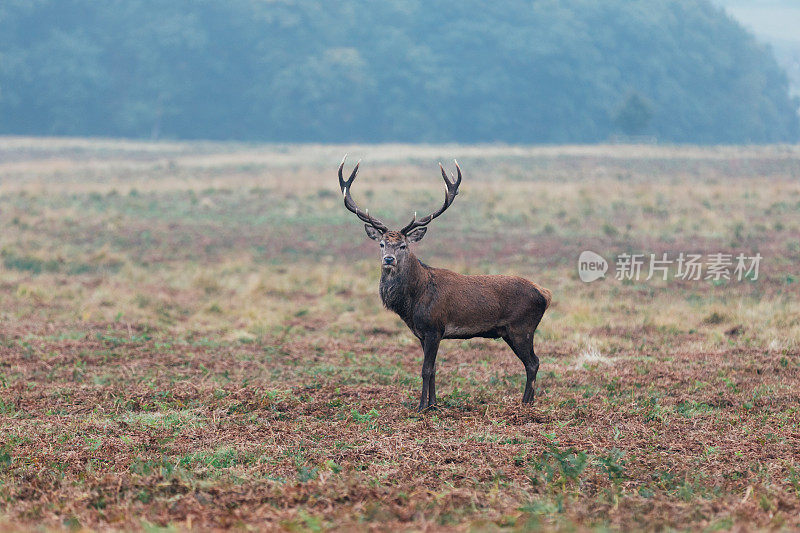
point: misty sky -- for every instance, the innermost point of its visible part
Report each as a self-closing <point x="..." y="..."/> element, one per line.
<point x="776" y="22"/>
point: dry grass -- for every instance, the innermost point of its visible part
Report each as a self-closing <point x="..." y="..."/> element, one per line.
<point x="191" y="336"/>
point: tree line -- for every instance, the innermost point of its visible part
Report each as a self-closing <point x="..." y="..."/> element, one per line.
<point x="516" y="71"/>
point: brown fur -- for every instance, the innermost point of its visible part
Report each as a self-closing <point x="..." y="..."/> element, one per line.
<point x="439" y="304"/>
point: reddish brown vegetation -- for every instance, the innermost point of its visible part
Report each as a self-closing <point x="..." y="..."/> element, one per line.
<point x="184" y="342"/>
<point x="732" y="458"/>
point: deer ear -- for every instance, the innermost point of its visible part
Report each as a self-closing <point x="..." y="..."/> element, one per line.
<point x="417" y="234"/>
<point x="372" y="233"/>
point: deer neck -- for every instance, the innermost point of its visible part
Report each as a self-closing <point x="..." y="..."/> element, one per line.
<point x="401" y="289"/>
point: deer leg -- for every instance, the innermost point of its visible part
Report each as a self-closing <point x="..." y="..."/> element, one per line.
<point x="432" y="389"/>
<point x="522" y="344"/>
<point x="430" y="345"/>
<point x="423" y="400"/>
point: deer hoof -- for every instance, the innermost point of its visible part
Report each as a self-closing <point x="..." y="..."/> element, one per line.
<point x="429" y="407"/>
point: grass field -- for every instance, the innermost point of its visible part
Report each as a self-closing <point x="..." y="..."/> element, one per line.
<point x="191" y="336"/>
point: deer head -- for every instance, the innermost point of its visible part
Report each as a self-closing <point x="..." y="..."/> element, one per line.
<point x="394" y="244"/>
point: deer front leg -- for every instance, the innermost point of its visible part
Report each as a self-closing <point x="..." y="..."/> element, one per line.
<point x="430" y="345"/>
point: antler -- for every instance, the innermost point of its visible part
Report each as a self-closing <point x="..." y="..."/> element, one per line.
<point x="351" y="205"/>
<point x="450" y="192"/>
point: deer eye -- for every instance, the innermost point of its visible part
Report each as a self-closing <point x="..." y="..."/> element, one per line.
<point x="403" y="246"/>
<point x="381" y="245"/>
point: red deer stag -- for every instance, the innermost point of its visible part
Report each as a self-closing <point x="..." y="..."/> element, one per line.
<point x="439" y="304"/>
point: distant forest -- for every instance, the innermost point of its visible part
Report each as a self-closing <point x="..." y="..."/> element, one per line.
<point x="515" y="71"/>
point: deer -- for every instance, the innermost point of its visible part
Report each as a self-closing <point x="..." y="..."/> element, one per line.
<point x="438" y="304"/>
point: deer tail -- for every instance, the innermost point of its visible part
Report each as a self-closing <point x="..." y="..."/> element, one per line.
<point x="546" y="294"/>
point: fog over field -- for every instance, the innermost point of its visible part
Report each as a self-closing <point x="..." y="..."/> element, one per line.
<point x="197" y="328"/>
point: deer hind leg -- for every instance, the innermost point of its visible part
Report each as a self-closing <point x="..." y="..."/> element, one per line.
<point x="522" y="344"/>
